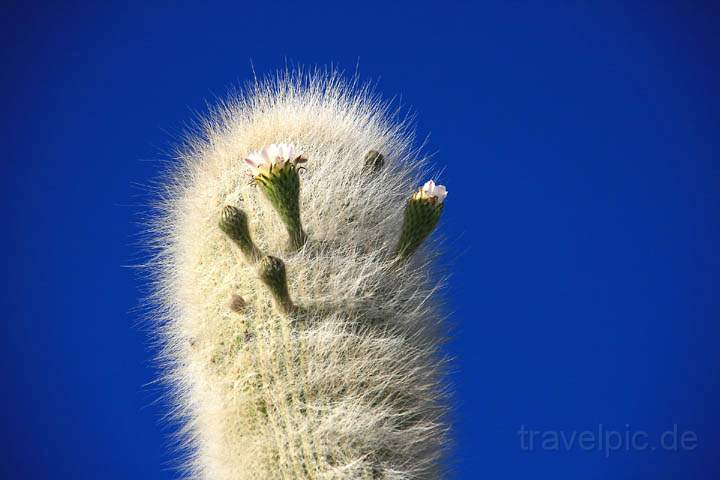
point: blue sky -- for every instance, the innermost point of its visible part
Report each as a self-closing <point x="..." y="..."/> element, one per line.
<point x="581" y="145"/>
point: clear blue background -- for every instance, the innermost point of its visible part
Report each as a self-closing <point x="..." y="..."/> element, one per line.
<point x="582" y="148"/>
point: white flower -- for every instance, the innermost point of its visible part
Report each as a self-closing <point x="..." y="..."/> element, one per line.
<point x="432" y="191"/>
<point x="273" y="155"/>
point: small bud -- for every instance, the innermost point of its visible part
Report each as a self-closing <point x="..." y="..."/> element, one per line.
<point x="237" y="303"/>
<point x="233" y="222"/>
<point x="271" y="271"/>
<point x="422" y="213"/>
<point x="374" y="161"/>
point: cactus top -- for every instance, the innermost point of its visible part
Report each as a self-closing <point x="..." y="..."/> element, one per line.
<point x="320" y="361"/>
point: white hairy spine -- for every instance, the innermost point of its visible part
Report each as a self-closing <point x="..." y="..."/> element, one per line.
<point x="355" y="389"/>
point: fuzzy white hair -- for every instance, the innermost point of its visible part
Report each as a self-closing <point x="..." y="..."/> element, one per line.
<point x="355" y="392"/>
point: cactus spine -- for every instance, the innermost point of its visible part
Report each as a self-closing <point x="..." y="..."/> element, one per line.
<point x="298" y="345"/>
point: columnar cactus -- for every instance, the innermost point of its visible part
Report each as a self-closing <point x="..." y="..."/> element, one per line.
<point x="301" y="325"/>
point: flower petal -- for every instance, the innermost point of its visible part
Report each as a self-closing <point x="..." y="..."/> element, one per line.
<point x="267" y="154"/>
<point x="429" y="187"/>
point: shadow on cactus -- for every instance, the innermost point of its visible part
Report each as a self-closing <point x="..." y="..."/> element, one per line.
<point x="301" y="325"/>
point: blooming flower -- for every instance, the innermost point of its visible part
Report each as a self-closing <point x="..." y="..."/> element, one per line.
<point x="273" y="155"/>
<point x="275" y="174"/>
<point x="432" y="192"/>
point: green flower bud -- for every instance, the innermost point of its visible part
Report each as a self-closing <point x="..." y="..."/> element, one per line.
<point x="271" y="271"/>
<point x="234" y="223"/>
<point x="422" y="214"/>
<point x="274" y="169"/>
<point x="281" y="185"/>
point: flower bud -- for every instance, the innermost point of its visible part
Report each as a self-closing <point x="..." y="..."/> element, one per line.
<point x="271" y="271"/>
<point x="233" y="222"/>
<point x="374" y="161"/>
<point x="422" y="214"/>
<point x="237" y="303"/>
<point x="276" y="173"/>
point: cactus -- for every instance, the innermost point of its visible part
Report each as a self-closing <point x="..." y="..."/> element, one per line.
<point x="300" y="320"/>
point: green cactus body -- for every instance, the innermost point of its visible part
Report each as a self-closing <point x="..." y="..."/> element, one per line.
<point x="321" y="362"/>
